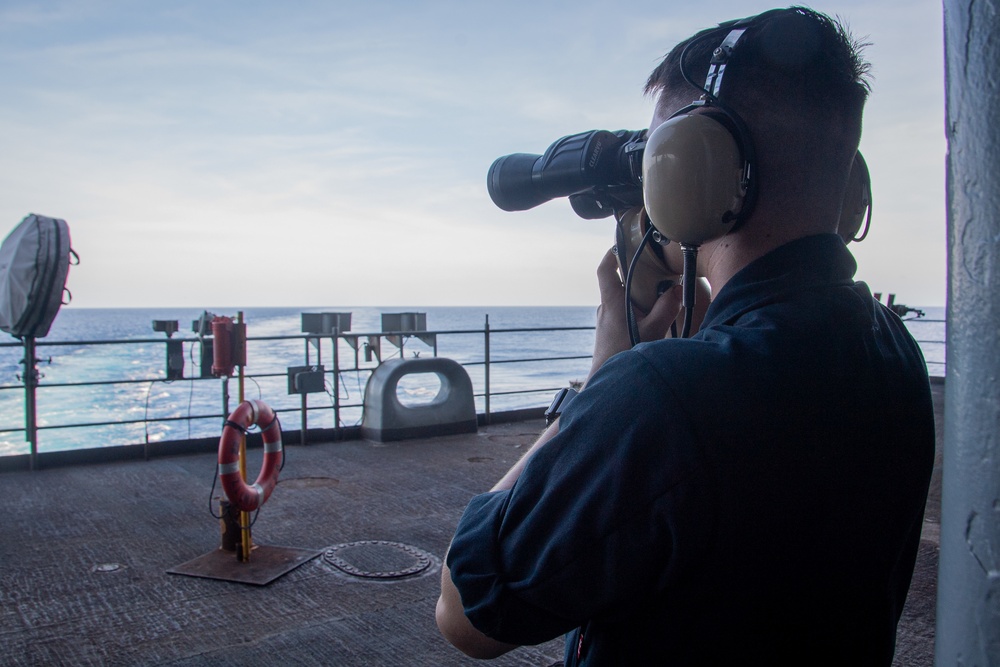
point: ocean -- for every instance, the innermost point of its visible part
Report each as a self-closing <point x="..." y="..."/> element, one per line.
<point x="125" y="390"/>
<point x="75" y="351"/>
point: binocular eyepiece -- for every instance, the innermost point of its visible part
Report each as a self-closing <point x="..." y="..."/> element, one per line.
<point x="598" y="171"/>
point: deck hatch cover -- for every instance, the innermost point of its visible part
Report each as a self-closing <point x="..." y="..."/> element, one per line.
<point x="378" y="559"/>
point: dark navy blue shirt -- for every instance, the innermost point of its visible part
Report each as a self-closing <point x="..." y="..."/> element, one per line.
<point x="751" y="495"/>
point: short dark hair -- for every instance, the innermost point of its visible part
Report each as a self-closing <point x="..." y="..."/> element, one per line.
<point x="793" y="52"/>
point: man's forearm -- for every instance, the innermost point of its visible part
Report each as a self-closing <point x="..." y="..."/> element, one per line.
<point x="450" y="614"/>
<point x="456" y="627"/>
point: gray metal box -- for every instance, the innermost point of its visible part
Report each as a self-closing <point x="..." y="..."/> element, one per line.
<point x="325" y="323"/>
<point x="404" y="322"/>
<point x="306" y="380"/>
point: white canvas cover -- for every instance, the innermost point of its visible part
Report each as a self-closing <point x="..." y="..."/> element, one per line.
<point x="34" y="263"/>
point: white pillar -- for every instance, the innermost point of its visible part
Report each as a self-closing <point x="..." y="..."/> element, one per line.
<point x="968" y="605"/>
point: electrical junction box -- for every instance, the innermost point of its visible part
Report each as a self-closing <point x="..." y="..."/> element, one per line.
<point x="306" y="380"/>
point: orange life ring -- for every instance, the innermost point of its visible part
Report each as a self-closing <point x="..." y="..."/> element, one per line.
<point x="246" y="497"/>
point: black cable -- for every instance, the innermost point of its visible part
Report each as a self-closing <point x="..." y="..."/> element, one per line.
<point x="218" y="517"/>
<point x="690" y="279"/>
<point x="211" y="493"/>
<point x="868" y="223"/>
<point x="251" y="378"/>
<point x="284" y="458"/>
<point x="684" y="72"/>
<point x="859" y="161"/>
<point x="271" y="424"/>
<point x="239" y="427"/>
<point x="633" y="323"/>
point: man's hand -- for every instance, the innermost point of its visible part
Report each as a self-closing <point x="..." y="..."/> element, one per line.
<point x="612" y="325"/>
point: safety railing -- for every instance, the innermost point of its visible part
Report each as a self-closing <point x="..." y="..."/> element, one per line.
<point x="930" y="334"/>
<point x="106" y="393"/>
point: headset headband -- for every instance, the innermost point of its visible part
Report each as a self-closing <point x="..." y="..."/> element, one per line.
<point x="723" y="52"/>
<point x="720" y="58"/>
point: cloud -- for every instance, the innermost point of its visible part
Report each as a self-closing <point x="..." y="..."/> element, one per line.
<point x="337" y="152"/>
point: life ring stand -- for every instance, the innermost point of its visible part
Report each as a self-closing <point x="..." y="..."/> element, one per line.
<point x="243" y="496"/>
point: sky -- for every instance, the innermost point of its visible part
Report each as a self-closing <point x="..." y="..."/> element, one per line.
<point x="334" y="153"/>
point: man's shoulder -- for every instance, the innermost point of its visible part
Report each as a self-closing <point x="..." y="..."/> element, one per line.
<point x="663" y="364"/>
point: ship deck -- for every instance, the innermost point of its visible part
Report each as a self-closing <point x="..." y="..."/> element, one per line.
<point x="86" y="554"/>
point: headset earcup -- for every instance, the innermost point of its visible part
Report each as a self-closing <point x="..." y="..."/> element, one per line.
<point x="857" y="201"/>
<point x="692" y="178"/>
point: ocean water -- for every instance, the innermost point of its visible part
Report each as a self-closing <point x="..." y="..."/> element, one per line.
<point x="930" y="332"/>
<point x="75" y="352"/>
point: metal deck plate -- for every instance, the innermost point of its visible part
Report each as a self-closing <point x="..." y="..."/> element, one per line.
<point x="266" y="564"/>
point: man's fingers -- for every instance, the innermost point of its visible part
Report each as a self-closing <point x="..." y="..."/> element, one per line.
<point x="608" y="280"/>
<point x="656" y="323"/>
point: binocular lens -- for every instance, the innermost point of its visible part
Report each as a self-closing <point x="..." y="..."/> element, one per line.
<point x="509" y="182"/>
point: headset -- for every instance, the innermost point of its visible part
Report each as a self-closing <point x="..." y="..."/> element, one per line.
<point x="857" y="208"/>
<point x="699" y="172"/>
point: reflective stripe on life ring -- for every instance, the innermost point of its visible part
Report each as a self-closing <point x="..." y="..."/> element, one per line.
<point x="243" y="496"/>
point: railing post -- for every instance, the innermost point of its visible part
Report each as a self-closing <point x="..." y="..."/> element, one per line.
<point x="225" y="396"/>
<point x="336" y="384"/>
<point x="304" y="409"/>
<point x="486" y="356"/>
<point x="30" y="386"/>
